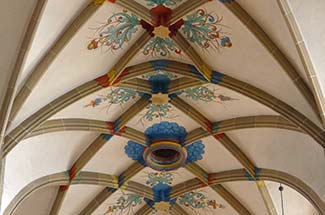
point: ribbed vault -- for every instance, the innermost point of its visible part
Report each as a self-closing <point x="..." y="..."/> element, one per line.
<point x="112" y="69"/>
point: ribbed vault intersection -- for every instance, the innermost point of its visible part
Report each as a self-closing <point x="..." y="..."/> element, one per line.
<point x="166" y="61"/>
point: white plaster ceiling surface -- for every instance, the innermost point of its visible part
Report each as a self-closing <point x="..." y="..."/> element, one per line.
<point x="39" y="203"/>
<point x="276" y="28"/>
<point x="294" y="202"/>
<point x="111" y="159"/>
<point x="286" y="151"/>
<point x="44" y="155"/>
<point x="218" y="159"/>
<point x="309" y="19"/>
<point x="50" y="27"/>
<point x="248" y="194"/>
<point x="56" y="161"/>
<point x="14" y="16"/>
<point x="78" y="196"/>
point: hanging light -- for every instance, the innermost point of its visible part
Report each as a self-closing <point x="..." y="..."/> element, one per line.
<point x="281" y="188"/>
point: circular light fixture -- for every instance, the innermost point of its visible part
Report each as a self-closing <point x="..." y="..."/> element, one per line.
<point x="165" y="148"/>
<point x="165" y="155"/>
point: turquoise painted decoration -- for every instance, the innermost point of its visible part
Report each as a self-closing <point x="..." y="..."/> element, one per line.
<point x="153" y="3"/>
<point x="120" y="96"/>
<point x="113" y="97"/>
<point x="155" y="178"/>
<point x="118" y="29"/>
<point x="169" y="75"/>
<point x="160" y="47"/>
<point x="205" y="30"/>
<point x="157" y="112"/>
<point x="125" y="203"/>
<point x="226" y="1"/>
<point x="200" y="93"/>
<point x="197" y="200"/>
<point x="205" y="94"/>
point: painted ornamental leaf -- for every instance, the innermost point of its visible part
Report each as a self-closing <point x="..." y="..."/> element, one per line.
<point x="124" y="203"/>
<point x="155" y="178"/>
<point x="118" y="29"/>
<point x="113" y="97"/>
<point x="205" y="94"/>
<point x="197" y="200"/>
<point x="205" y="30"/>
<point x="160" y="47"/>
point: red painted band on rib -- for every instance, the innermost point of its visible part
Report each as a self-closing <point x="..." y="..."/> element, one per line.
<point x="110" y="127"/>
<point x="103" y="81"/>
<point x="174" y="28"/>
<point x="209" y="127"/>
<point x="121" y="131"/>
<point x="64" y="188"/>
<point x="146" y="26"/>
<point x="73" y="173"/>
<point x="202" y="183"/>
<point x="218" y="136"/>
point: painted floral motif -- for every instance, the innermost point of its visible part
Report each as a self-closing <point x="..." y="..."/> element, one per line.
<point x="197" y="200"/>
<point x="120" y="96"/>
<point x="114" y="96"/>
<point x="153" y="3"/>
<point x="157" y="112"/>
<point x="206" y="30"/>
<point x="124" y="203"/>
<point x="118" y="29"/>
<point x="160" y="47"/>
<point x="205" y="94"/>
<point x="155" y="178"/>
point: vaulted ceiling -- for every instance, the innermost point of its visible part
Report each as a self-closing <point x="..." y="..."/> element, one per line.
<point x="79" y="85"/>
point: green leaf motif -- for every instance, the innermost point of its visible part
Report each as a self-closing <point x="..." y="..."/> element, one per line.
<point x="205" y="94"/>
<point x="160" y="47"/>
<point x="197" y="200"/>
<point x="169" y="75"/>
<point x="120" y="96"/>
<point x="205" y="30"/>
<point x="157" y="111"/>
<point x="113" y="97"/>
<point x="125" y="202"/>
<point x="118" y="30"/>
<point x="155" y="178"/>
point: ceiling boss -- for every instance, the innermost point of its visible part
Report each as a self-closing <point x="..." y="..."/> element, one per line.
<point x="165" y="148"/>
